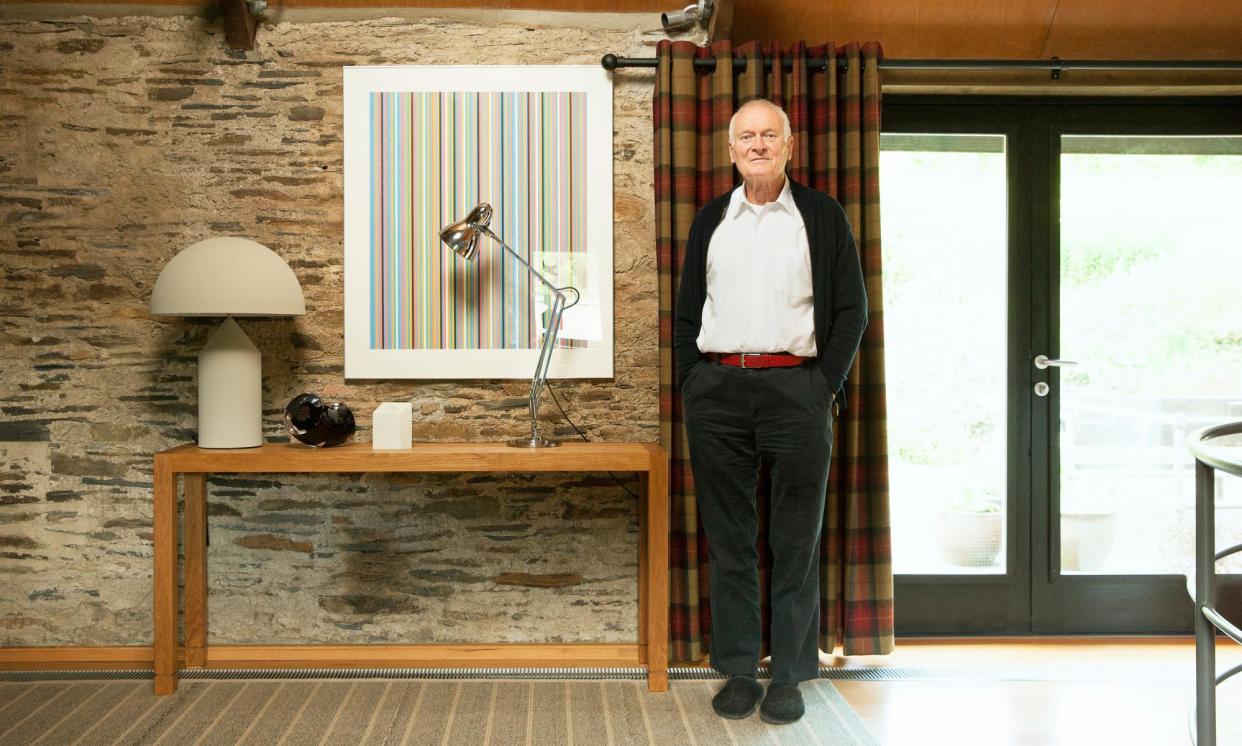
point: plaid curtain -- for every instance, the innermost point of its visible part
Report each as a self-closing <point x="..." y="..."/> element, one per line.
<point x="835" y="116"/>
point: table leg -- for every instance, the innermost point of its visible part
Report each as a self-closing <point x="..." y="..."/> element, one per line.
<point x="1205" y="597"/>
<point x="643" y="591"/>
<point x="657" y="573"/>
<point x="165" y="571"/>
<point x="194" y="522"/>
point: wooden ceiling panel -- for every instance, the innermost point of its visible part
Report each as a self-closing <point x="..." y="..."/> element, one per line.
<point x="1001" y="29"/>
<point x="1006" y="29"/>
<point x="1146" y="29"/>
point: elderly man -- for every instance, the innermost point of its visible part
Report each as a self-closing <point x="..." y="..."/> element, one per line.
<point x="769" y="316"/>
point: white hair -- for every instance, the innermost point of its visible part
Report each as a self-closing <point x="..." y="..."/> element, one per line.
<point x="761" y="102"/>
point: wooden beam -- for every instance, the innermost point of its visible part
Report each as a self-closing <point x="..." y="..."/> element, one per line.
<point x="70" y="657"/>
<point x="431" y="655"/>
<point x="240" y="25"/>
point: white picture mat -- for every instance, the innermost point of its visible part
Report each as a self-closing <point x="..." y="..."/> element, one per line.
<point x="363" y="362"/>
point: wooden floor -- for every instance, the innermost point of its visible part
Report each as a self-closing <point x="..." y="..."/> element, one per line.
<point x="1046" y="692"/>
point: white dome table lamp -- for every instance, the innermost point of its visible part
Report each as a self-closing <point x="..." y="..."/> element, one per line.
<point x="228" y="277"/>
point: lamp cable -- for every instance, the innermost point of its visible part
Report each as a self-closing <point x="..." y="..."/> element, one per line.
<point x="582" y="435"/>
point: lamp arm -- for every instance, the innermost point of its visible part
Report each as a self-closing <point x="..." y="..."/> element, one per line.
<point x="577" y="296"/>
<point x="545" y="359"/>
<point x="487" y="232"/>
<point x="549" y="338"/>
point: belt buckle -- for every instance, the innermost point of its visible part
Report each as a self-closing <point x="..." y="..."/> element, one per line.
<point x="742" y="358"/>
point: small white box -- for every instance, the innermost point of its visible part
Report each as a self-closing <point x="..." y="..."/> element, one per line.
<point x="392" y="426"/>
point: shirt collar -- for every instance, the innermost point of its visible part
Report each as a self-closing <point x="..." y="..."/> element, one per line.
<point x="738" y="202"/>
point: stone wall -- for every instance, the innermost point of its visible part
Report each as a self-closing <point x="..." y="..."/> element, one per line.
<point x="124" y="140"/>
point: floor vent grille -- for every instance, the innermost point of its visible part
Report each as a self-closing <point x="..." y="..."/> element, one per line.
<point x="573" y="674"/>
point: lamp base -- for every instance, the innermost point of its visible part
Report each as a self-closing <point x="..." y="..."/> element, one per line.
<point x="535" y="442"/>
<point x="230" y="390"/>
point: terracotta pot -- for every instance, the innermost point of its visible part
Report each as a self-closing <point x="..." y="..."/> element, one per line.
<point x="1086" y="539"/>
<point x="970" y="539"/>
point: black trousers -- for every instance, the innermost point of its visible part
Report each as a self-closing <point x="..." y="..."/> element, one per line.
<point x="734" y="418"/>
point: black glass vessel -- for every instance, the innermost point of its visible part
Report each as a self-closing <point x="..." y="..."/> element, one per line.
<point x="317" y="423"/>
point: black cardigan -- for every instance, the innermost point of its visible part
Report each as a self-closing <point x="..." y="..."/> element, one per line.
<point x="836" y="282"/>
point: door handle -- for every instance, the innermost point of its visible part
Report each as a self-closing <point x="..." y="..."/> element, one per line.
<point x="1043" y="361"/>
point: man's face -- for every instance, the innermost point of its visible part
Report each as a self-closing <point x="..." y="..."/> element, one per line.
<point x="759" y="148"/>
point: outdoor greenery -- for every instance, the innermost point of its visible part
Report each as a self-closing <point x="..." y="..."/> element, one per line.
<point x="1151" y="250"/>
<point x="944" y="310"/>
<point x="1150" y="258"/>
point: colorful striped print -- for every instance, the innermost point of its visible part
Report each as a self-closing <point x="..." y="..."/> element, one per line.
<point x="434" y="156"/>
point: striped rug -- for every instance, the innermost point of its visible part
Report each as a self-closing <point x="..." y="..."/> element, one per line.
<point x="332" y="711"/>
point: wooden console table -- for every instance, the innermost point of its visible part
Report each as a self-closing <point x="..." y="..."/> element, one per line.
<point x="194" y="464"/>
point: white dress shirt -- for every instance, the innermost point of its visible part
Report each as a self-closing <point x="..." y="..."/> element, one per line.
<point x="759" y="280"/>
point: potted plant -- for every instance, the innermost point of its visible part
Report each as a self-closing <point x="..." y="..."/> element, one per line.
<point x="1088" y="526"/>
<point x="970" y="528"/>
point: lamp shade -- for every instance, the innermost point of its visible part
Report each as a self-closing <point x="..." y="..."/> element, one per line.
<point x="463" y="236"/>
<point x="227" y="276"/>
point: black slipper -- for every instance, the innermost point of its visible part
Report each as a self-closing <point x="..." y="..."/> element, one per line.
<point x="738" y="698"/>
<point x="782" y="704"/>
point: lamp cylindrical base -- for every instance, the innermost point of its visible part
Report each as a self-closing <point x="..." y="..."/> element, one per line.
<point x="230" y="390"/>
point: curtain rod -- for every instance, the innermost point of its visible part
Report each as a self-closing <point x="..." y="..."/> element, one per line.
<point x="1056" y="64"/>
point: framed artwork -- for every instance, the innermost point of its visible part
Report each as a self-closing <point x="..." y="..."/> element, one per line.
<point x="423" y="146"/>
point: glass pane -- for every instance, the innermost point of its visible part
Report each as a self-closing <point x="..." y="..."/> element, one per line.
<point x="1151" y="257"/>
<point x="944" y="229"/>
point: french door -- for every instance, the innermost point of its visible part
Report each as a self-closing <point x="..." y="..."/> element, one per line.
<point x="1063" y="306"/>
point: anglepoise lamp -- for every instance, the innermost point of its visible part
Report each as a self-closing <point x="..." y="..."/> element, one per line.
<point x="228" y="277"/>
<point x="463" y="238"/>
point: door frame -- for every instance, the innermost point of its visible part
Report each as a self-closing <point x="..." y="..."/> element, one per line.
<point x="1033" y="597"/>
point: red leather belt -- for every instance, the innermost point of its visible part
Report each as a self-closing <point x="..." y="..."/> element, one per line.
<point x="757" y="359"/>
